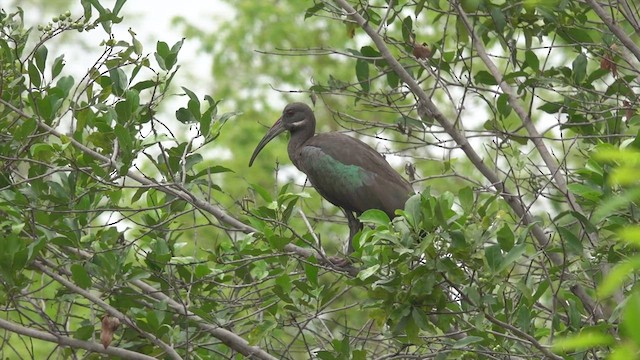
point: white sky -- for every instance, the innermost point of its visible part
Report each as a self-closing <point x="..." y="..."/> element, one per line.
<point x="151" y="21"/>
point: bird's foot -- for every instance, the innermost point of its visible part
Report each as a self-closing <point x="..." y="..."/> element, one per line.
<point x="339" y="261"/>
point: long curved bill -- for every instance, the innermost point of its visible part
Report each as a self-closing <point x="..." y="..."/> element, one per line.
<point x="275" y="130"/>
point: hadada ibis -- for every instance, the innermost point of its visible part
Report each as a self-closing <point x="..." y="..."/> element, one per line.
<point x="344" y="170"/>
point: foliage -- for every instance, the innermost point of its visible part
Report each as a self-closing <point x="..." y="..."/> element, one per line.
<point x="520" y="118"/>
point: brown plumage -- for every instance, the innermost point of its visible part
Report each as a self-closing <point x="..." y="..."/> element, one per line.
<point x="344" y="170"/>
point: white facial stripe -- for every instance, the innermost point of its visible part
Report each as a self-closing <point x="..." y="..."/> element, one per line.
<point x="298" y="123"/>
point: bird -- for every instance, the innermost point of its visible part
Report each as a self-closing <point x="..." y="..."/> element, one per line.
<point x="344" y="170"/>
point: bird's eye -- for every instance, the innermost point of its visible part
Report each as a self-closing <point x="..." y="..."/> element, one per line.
<point x="288" y="112"/>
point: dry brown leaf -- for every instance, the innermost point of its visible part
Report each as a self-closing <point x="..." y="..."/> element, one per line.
<point x="629" y="111"/>
<point x="607" y="63"/>
<point x="109" y="326"/>
<point x="421" y="51"/>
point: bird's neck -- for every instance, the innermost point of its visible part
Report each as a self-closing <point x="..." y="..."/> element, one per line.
<point x="298" y="138"/>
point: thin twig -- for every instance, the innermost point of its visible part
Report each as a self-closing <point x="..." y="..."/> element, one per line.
<point x="73" y="343"/>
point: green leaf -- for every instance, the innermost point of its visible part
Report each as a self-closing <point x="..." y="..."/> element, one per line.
<point x="205" y="123"/>
<point x="420" y="319"/>
<point x="194" y="109"/>
<point x="58" y="65"/>
<point x="498" y="18"/>
<point x="462" y="32"/>
<point x="620" y="87"/>
<point x="192" y="160"/>
<point x="176" y="47"/>
<point x="118" y="80"/>
<point x="466" y="341"/>
<point x="368" y="272"/>
<point x="531" y="61"/>
<point x="359" y="355"/>
<point x="48" y="106"/>
<point x="369" y="51"/>
<point x="65" y="84"/>
<point x="631" y="318"/>
<point x="28" y="126"/>
<point x="375" y="216"/>
<point x="576" y="35"/>
<point x="550" y="108"/>
<point x="284" y="282"/>
<point x="617" y="276"/>
<point x="419" y="7"/>
<point x="493" y="256"/>
<point x="142" y="85"/>
<point x="124" y="137"/>
<point x="313" y="10"/>
<point x="393" y="79"/>
<point x="185" y="116"/>
<point x="362" y="73"/>
<point x="166" y="57"/>
<point x="118" y="6"/>
<point x="484" y="77"/>
<point x="571" y="241"/>
<point x="465" y="195"/>
<point x="504" y="108"/>
<point x="80" y="276"/>
<point x="579" y="68"/>
<point x="407" y="30"/>
<point x="84" y="332"/>
<point x="413" y="209"/>
<point x="42" y="151"/>
<point x="278" y="242"/>
<point x="41" y="57"/>
<point x="505" y="238"/>
<point x="162" y="49"/>
<point x="583" y="341"/>
<point x="215" y="169"/>
<point x="191" y="95"/>
<point x="584" y="221"/>
<point x="585" y="191"/>
<point x="312" y="272"/>
<point x="264" y="194"/>
<point x="34" y="75"/>
<point x="512" y="256"/>
<point x="631" y="235"/>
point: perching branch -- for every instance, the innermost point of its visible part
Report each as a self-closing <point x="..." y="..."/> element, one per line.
<point x="232" y="340"/>
<point x="217" y="212"/>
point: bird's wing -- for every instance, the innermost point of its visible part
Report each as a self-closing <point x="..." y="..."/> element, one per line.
<point x="352" y="175"/>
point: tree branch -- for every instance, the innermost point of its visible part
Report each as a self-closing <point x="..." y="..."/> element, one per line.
<point x="615" y="29"/>
<point x="535" y="137"/>
<point x="108" y="308"/>
<point x="432" y="111"/>
<point x="227" y="337"/>
<point x="544" y="349"/>
<point x="73" y="343"/>
<point x="217" y="212"/>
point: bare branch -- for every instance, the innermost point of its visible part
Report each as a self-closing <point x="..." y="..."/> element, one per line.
<point x="108" y="308"/>
<point x="431" y="110"/>
<point x="615" y="29"/>
<point x="73" y="343"/>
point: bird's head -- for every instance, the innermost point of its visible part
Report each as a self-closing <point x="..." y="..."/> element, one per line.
<point x="295" y="117"/>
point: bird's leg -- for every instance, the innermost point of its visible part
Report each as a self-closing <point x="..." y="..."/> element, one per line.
<point x="354" y="226"/>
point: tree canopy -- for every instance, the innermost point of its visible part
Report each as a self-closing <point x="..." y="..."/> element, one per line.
<point x="135" y="229"/>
